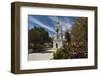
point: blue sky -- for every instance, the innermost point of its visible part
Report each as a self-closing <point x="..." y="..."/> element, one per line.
<point x="49" y="22"/>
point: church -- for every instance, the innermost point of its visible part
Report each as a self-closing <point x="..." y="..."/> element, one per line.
<point x="59" y="36"/>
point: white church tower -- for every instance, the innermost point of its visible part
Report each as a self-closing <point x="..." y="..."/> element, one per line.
<point x="58" y="37"/>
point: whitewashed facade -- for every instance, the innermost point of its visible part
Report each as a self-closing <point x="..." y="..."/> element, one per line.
<point x="58" y="37"/>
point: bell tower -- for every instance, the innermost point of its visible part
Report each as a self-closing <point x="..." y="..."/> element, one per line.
<point x="58" y="37"/>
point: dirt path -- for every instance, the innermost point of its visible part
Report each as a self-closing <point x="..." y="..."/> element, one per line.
<point x="47" y="55"/>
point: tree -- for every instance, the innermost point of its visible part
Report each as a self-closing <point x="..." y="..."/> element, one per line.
<point x="79" y="36"/>
<point x="38" y="36"/>
<point x="79" y="30"/>
<point x="67" y="37"/>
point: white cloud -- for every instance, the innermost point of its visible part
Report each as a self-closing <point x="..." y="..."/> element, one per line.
<point x="53" y="18"/>
<point x="41" y="24"/>
<point x="66" y="25"/>
<point x="30" y="26"/>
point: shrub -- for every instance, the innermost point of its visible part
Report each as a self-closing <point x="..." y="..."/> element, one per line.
<point x="58" y="54"/>
<point x="69" y="51"/>
<point x="62" y="53"/>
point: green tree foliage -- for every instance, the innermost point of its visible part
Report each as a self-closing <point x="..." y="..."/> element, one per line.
<point x="79" y="30"/>
<point x="62" y="53"/>
<point x="79" y="36"/>
<point x="38" y="36"/>
<point x="59" y="54"/>
<point x="67" y="37"/>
